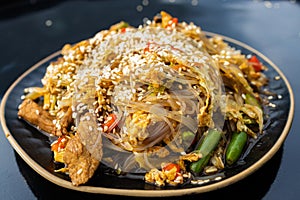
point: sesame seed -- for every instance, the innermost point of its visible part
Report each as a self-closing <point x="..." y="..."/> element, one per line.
<point x="185" y="175"/>
<point x="105" y="128"/>
<point x="218" y="178"/>
<point x="206" y="180"/>
<point x="272" y="105"/>
<point x="140" y="98"/>
<point x="109" y="118"/>
<point x="74" y="115"/>
<point x="79" y="171"/>
<point x="100" y="129"/>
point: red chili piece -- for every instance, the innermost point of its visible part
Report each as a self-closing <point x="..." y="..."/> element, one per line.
<point x="110" y="122"/>
<point x="60" y="144"/>
<point x="170" y="166"/>
<point x="255" y="63"/>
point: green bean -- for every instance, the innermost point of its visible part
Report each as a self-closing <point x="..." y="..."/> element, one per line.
<point x="198" y="166"/>
<point x="210" y="142"/>
<point x="251" y="100"/>
<point x="235" y="147"/>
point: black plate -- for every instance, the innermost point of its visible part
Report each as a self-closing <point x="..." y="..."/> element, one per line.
<point x="34" y="147"/>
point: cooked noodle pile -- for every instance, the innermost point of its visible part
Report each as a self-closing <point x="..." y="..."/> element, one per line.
<point x="142" y="100"/>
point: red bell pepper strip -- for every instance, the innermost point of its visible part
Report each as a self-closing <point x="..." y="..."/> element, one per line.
<point x="110" y="123"/>
<point x="174" y="21"/>
<point x="170" y="166"/>
<point x="59" y="144"/>
<point x="255" y="63"/>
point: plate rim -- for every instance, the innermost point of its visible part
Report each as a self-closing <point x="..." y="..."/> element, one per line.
<point x="152" y="193"/>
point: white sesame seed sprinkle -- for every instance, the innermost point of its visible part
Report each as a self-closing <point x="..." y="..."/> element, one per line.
<point x="218" y="178"/>
<point x="272" y="105"/>
<point x="79" y="171"/>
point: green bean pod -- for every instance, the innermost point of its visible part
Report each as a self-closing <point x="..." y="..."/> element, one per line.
<point x="251" y="100"/>
<point x="210" y="142"/>
<point x="198" y="166"/>
<point x="235" y="147"/>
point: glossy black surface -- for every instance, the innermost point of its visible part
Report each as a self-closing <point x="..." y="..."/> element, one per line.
<point x="42" y="28"/>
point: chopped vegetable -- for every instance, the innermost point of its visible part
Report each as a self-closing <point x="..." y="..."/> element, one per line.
<point x="110" y="123"/>
<point x="257" y="65"/>
<point x="197" y="167"/>
<point x="210" y="142"/>
<point x="59" y="144"/>
<point x="34" y="92"/>
<point x="188" y="136"/>
<point x="251" y="100"/>
<point x="120" y="26"/>
<point x="170" y="166"/>
<point x="58" y="148"/>
<point x="235" y="147"/>
<point x="172" y="21"/>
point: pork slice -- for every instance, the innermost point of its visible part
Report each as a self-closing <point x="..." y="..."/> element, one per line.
<point x="65" y="122"/>
<point x="36" y="115"/>
<point x="79" y="161"/>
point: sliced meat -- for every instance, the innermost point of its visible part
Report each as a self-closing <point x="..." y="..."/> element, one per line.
<point x="34" y="114"/>
<point x="87" y="130"/>
<point x="65" y="122"/>
<point x="79" y="161"/>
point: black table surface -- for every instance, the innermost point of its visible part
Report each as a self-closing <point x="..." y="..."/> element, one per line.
<point x="31" y="30"/>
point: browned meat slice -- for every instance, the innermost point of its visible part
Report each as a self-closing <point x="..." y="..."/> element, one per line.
<point x="79" y="161"/>
<point x="89" y="135"/>
<point x="34" y="114"/>
<point x="64" y="122"/>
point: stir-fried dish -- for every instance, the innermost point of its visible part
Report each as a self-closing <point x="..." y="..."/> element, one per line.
<point x="161" y="100"/>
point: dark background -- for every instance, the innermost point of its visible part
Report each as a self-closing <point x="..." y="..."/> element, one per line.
<point x="32" y="30"/>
